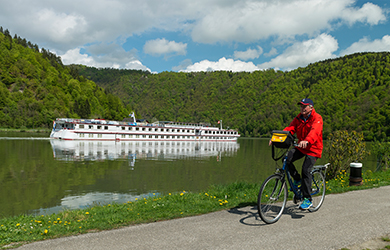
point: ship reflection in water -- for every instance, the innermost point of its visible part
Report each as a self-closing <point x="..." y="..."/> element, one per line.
<point x="67" y="150"/>
<point x="130" y="151"/>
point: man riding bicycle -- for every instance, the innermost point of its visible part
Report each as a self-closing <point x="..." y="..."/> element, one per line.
<point x="308" y="127"/>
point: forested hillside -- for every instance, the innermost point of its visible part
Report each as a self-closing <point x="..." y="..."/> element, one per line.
<point x="351" y="92"/>
<point x="36" y="88"/>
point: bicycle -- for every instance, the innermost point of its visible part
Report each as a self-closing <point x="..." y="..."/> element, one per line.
<point x="273" y="192"/>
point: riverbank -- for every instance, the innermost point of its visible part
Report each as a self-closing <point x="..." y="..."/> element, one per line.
<point x="28" y="228"/>
<point x="26" y="130"/>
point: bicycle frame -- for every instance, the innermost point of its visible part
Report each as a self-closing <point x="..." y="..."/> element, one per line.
<point x="284" y="171"/>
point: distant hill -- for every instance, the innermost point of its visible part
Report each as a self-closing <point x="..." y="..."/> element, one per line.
<point x="350" y="92"/>
<point x="36" y="88"/>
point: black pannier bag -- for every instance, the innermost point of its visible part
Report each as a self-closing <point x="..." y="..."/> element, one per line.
<point x="281" y="139"/>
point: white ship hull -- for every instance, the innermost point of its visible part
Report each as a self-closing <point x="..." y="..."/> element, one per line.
<point x="102" y="130"/>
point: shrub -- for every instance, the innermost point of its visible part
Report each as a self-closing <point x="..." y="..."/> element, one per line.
<point x="342" y="148"/>
<point x="382" y="152"/>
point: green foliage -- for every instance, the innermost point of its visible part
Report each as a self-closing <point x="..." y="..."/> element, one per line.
<point x="351" y="93"/>
<point x="343" y="148"/>
<point x="36" y="88"/>
<point x="382" y="152"/>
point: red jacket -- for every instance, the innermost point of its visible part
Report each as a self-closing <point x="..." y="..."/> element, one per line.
<point x="309" y="130"/>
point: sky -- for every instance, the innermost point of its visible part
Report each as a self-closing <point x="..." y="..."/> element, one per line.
<point x="200" y="35"/>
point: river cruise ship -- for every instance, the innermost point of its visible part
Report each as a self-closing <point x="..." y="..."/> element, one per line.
<point x="104" y="130"/>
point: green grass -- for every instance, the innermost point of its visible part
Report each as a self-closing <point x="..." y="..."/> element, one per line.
<point x="28" y="228"/>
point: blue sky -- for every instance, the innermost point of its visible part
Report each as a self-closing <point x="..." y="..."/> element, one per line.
<point x="201" y="35"/>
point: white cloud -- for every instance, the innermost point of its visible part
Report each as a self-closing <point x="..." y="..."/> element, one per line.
<point x="109" y="60"/>
<point x="72" y="23"/>
<point x="369" y="13"/>
<point x="272" y="52"/>
<point x="183" y="65"/>
<point x="248" y="54"/>
<point x="248" y="21"/>
<point x="159" y="47"/>
<point x="222" y="64"/>
<point x="302" y="53"/>
<point x="365" y="45"/>
<point x="63" y="26"/>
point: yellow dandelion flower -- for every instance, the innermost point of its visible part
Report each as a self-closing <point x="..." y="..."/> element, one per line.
<point x="169" y="194"/>
<point x="46" y="231"/>
<point x="86" y="212"/>
<point x="17" y="224"/>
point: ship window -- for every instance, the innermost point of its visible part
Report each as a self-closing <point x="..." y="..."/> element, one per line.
<point x="156" y="129"/>
<point x="99" y="127"/>
<point x="81" y="126"/>
<point x="91" y="135"/>
<point x="143" y="136"/>
<point x="105" y="127"/>
<point x="99" y="136"/>
<point x="123" y="128"/>
<point x="90" y="126"/>
<point x="143" y="129"/>
<point x="137" y="129"/>
<point x="150" y="129"/>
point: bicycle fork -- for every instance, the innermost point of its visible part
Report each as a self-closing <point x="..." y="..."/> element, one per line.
<point x="276" y="189"/>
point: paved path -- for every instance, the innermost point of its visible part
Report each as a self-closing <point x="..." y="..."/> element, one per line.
<point x="343" y="220"/>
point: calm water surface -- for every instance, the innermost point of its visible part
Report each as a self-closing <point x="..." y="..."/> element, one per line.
<point x="39" y="175"/>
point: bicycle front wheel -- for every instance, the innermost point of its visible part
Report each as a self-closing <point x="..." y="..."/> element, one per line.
<point x="272" y="199"/>
<point x="318" y="190"/>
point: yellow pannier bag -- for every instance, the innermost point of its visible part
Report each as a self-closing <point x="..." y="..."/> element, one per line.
<point x="282" y="139"/>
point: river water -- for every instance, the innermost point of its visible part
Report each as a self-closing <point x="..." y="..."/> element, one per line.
<point x="39" y="175"/>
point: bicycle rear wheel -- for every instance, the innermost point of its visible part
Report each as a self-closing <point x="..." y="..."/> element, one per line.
<point x="318" y="190"/>
<point x="272" y="199"/>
